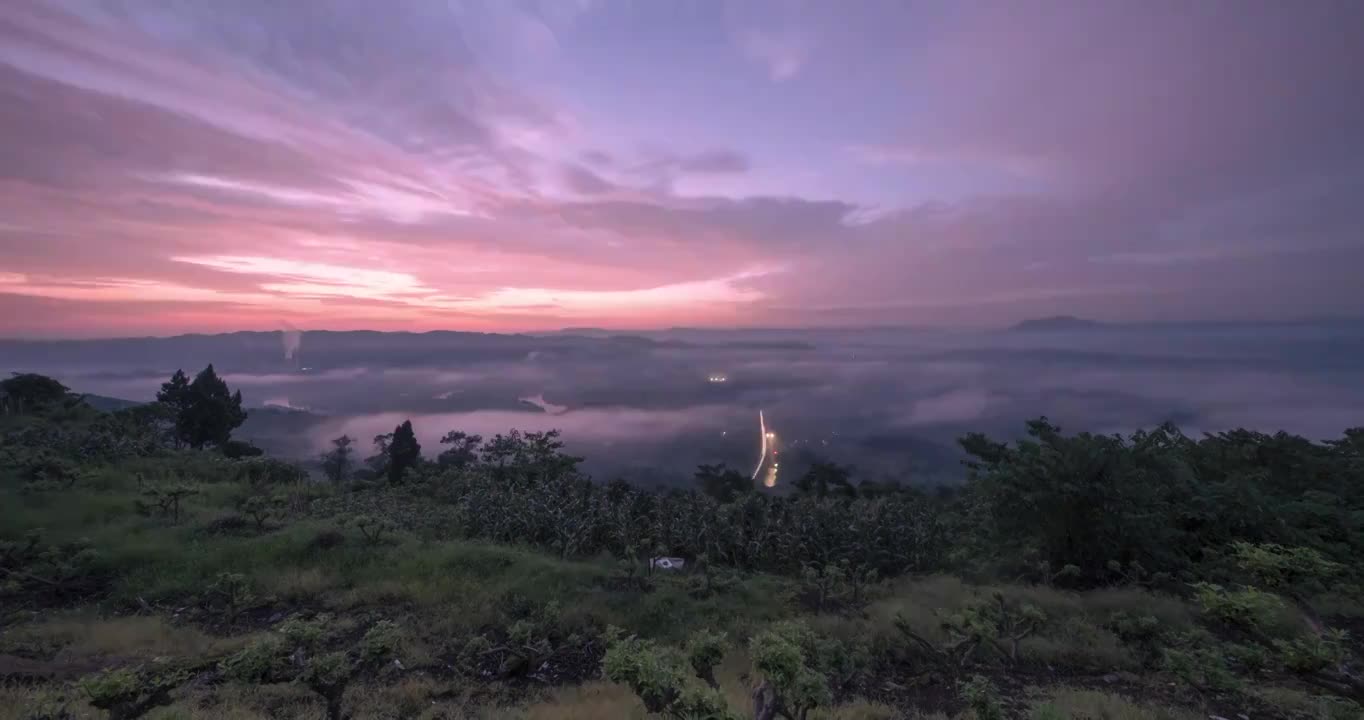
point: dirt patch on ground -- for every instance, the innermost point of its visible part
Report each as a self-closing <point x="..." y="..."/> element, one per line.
<point x="929" y="690"/>
<point x="25" y="670"/>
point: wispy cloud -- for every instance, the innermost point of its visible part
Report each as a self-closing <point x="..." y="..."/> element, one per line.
<point x="782" y="52"/>
<point x="514" y="165"/>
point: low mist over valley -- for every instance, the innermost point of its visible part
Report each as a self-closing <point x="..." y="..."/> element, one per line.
<point x="649" y="407"/>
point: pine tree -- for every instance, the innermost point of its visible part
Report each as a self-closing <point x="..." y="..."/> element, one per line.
<point x="463" y="450"/>
<point x="403" y="451"/>
<point x="208" y="411"/>
<point x="174" y="394"/>
<point x="336" y="463"/>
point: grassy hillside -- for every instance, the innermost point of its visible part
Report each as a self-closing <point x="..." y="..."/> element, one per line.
<point x="138" y="580"/>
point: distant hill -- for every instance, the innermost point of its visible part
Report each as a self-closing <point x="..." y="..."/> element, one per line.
<point x="1057" y="322"/>
<point x="108" y="404"/>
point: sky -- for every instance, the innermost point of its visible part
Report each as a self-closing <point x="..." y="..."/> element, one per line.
<point x="173" y="166"/>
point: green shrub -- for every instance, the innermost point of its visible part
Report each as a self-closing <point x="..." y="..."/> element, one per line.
<point x="705" y="649"/>
<point x="295" y="654"/>
<point x="659" y="676"/>
<point x="1197" y="661"/>
<point x="980" y="695"/>
<point x="1286" y="569"/>
<point x="372" y="529"/>
<point x="30" y="568"/>
<point x="260" y="662"/>
<point x="1314" y="653"/>
<point x="1144" y="633"/>
<point x="788" y="681"/>
<point x="126" y="693"/>
<point x="1246" y="608"/>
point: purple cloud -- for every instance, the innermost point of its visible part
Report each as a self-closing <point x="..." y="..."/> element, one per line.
<point x="624" y="164"/>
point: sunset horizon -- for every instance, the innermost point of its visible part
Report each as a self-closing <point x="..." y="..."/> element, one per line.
<point x="498" y="167"/>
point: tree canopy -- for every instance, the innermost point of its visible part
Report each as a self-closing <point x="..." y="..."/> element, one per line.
<point x="26" y="391"/>
<point x="403" y="451"/>
<point x="206" y="410"/>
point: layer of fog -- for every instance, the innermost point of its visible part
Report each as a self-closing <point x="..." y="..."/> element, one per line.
<point x="889" y="402"/>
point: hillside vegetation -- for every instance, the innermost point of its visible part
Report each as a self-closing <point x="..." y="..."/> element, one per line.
<point x="150" y="566"/>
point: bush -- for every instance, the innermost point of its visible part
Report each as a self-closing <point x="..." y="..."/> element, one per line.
<point x="1246" y="608"/>
<point x="126" y="693"/>
<point x="659" y="676"/>
<point x="54" y="573"/>
<point x="1144" y="633"/>
<point x="1196" y="660"/>
<point x="980" y="695"/>
<point x="789" y="683"/>
<point x="295" y="654"/>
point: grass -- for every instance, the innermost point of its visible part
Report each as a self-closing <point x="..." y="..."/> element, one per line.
<point x="443" y="591"/>
<point x="1073" y="637"/>
<point x="1306" y="705"/>
<point x="25" y="701"/>
<point x="1067" y="703"/>
<point x="83" y="635"/>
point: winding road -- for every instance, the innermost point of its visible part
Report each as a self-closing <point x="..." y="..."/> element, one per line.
<point x="762" y="454"/>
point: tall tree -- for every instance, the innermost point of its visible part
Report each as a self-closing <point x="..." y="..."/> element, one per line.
<point x="463" y="450"/>
<point x="722" y="482"/>
<point x="336" y="463"/>
<point x="28" y="390"/>
<point x="826" y="477"/>
<point x="403" y="451"/>
<point x="174" y="394"/>
<point x="208" y="410"/>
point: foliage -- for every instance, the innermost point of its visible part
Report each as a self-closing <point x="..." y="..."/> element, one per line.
<point x="1239" y="523"/>
<point x="262" y="509"/>
<point x="537" y="497"/>
<point x="240" y="449"/>
<point x="126" y="693"/>
<point x="23" y="392"/>
<point x="31" y="568"/>
<point x="372" y="529"/>
<point x="982" y="697"/>
<point x="996" y="624"/>
<point x="835" y="585"/>
<point x="1198" y="661"/>
<point x="1324" y="660"/>
<point x="1161" y="500"/>
<point x="722" y="483"/>
<point x="1142" y="632"/>
<point x="237" y="449"/>
<point x="1314" y="653"/>
<point x="1284" y="569"/>
<point x="297" y="653"/>
<point x="659" y="676"/>
<point x="230" y="593"/>
<point x="336" y="463"/>
<point x="165" y="499"/>
<point x="403" y="452"/>
<point x="1247" y="608"/>
<point x="463" y="450"/>
<point x="268" y="474"/>
<point x="258" y="662"/>
<point x="824" y="478"/>
<point x="45" y="470"/>
<point x="705" y="649"/>
<point x="206" y="410"/>
<point x="790" y="686"/>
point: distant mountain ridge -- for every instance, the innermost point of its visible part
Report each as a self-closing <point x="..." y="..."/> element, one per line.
<point x="108" y="404"/>
<point x="1057" y="322"/>
<point x="319" y="350"/>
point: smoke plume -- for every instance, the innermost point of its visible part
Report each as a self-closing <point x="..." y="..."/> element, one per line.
<point x="292" y="338"/>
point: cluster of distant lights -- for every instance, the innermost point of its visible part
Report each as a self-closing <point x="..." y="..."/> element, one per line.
<point x="717" y="378"/>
